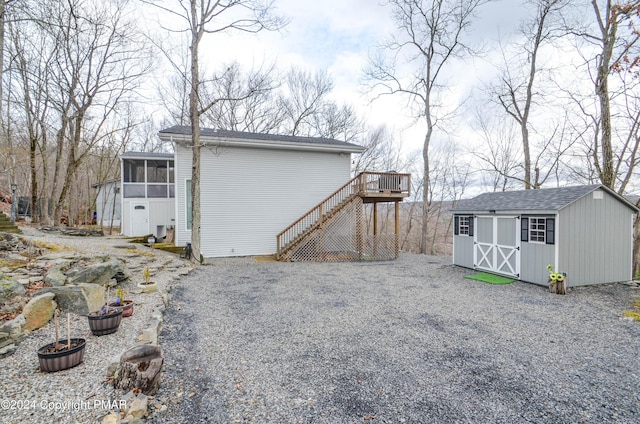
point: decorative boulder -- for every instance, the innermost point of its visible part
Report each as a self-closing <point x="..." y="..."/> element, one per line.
<point x="10" y="289"/>
<point x="12" y="296"/>
<point x="81" y="299"/>
<point x="55" y="276"/>
<point x="39" y="311"/>
<point x="13" y="327"/>
<point x="99" y="273"/>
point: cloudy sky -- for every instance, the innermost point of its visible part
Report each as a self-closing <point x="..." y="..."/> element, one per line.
<point x="338" y="36"/>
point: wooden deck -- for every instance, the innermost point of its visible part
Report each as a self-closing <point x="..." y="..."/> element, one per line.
<point x="369" y="187"/>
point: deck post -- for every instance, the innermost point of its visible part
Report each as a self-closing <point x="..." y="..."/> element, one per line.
<point x="375" y="230"/>
<point x="397" y="229"/>
<point x="321" y="221"/>
<point x="359" y="233"/>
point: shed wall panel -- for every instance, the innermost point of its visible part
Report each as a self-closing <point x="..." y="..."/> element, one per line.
<point x="595" y="237"/>
<point x="463" y="251"/>
<point x="249" y="195"/>
<point x="534" y="258"/>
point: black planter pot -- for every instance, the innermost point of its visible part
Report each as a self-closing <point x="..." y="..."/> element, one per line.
<point x="61" y="360"/>
<point x="105" y="324"/>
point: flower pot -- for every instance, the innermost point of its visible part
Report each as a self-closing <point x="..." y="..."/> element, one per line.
<point x="105" y="324"/>
<point x="52" y="361"/>
<point x="127" y="308"/>
<point x="149" y="287"/>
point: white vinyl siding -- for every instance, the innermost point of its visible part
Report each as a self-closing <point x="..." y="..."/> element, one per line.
<point x="183" y="173"/>
<point x="249" y="195"/>
<point x="188" y="205"/>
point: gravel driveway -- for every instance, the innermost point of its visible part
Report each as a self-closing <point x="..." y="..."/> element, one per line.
<point x="387" y="342"/>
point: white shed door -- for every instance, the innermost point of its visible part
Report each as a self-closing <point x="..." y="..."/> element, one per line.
<point x="497" y="245"/>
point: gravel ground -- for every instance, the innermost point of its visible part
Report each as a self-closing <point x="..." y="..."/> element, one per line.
<point x="388" y="342"/>
<point x="81" y="394"/>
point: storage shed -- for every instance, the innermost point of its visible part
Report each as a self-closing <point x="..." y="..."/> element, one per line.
<point x="584" y="231"/>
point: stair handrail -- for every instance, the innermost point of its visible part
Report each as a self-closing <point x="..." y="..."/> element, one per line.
<point x="366" y="182"/>
<point x="318" y="212"/>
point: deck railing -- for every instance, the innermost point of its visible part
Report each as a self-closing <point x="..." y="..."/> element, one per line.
<point x="364" y="184"/>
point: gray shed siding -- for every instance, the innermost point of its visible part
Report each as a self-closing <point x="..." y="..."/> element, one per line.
<point x="596" y="240"/>
<point x="534" y="258"/>
<point x="463" y="251"/>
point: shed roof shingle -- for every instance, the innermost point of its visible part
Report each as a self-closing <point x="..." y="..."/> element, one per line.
<point x="550" y="199"/>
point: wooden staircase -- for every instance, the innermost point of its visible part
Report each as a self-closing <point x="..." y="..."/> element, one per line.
<point x="366" y="187"/>
<point x="6" y="226"/>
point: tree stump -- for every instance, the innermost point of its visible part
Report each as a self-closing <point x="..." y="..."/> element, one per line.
<point x="139" y="368"/>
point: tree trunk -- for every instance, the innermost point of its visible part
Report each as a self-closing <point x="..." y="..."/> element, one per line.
<point x="636" y="245"/>
<point x="194" y="115"/>
<point x="140" y="368"/>
<point x="609" y="34"/>
<point x="426" y="183"/>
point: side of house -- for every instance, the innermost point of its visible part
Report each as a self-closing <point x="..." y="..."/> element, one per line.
<point x="253" y="186"/>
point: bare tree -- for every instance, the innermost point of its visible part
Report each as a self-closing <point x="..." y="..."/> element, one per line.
<point x="243" y="101"/>
<point x="614" y="43"/>
<point x="430" y="35"/>
<point x="32" y="60"/>
<point x="516" y="92"/>
<point x="198" y="18"/>
<point x="306" y="95"/>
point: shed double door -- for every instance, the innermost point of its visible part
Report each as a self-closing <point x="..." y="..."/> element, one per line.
<point x="496" y="244"/>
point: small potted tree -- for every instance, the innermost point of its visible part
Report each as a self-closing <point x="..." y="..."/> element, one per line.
<point x="121" y="303"/>
<point x="61" y="354"/>
<point x="147" y="286"/>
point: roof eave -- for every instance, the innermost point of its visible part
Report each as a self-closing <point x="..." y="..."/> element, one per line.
<point x="504" y="212"/>
<point x="184" y="139"/>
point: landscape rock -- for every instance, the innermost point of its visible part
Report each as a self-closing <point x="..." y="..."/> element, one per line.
<point x="13" y="327"/>
<point x="55" y="276"/>
<point x="7" y="350"/>
<point x="11" y="242"/>
<point x="99" y="273"/>
<point x="9" y="289"/>
<point x="137" y="408"/>
<point x="81" y="299"/>
<point x="70" y="231"/>
<point x="112" y="418"/>
<point x="14" y="305"/>
<point x="39" y="311"/>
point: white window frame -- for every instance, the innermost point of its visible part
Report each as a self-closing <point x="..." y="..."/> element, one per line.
<point x="537" y="230"/>
<point x="463" y="225"/>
